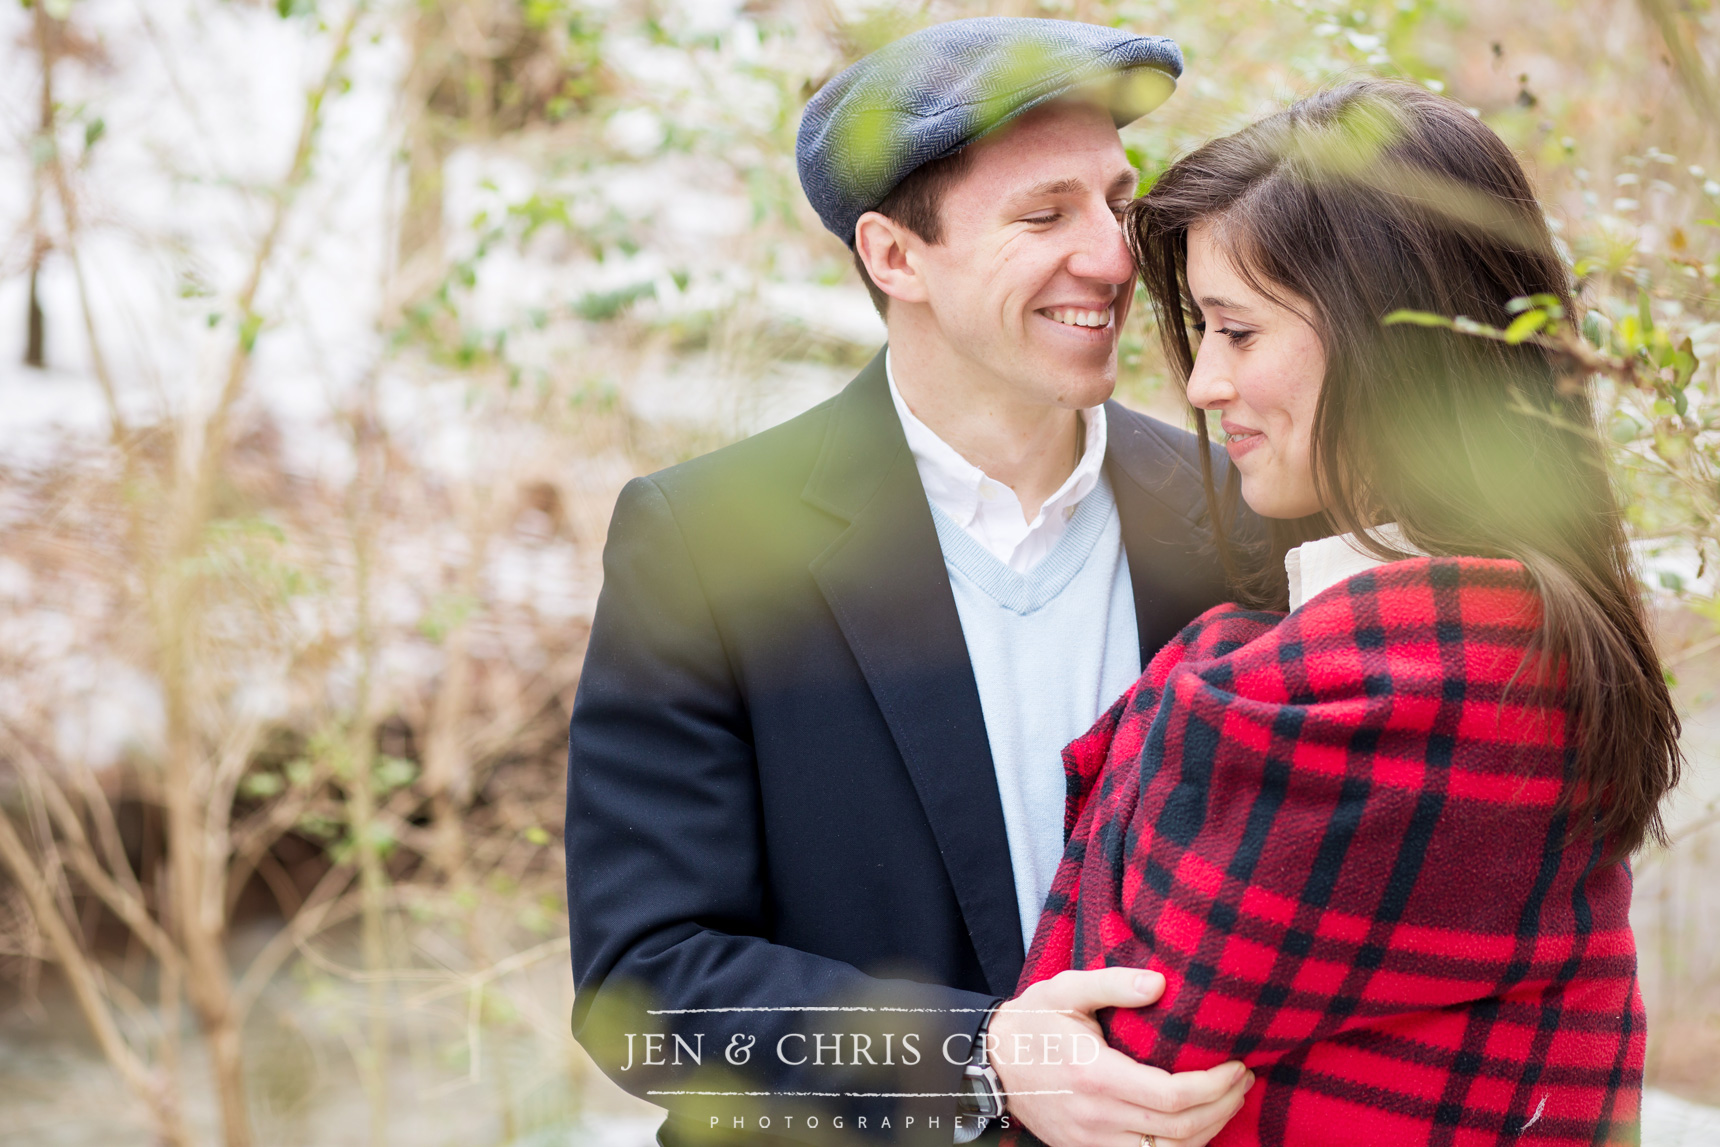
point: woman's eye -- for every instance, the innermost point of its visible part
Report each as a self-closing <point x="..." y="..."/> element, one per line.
<point x="1236" y="335"/>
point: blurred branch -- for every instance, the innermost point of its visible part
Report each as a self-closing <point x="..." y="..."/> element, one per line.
<point x="46" y="42"/>
<point x="85" y="981"/>
<point x="1694" y="75"/>
<point x="1694" y="651"/>
<point x="319" y="911"/>
<point x="469" y="981"/>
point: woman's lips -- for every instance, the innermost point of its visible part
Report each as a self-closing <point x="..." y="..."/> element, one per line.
<point x="1239" y="440"/>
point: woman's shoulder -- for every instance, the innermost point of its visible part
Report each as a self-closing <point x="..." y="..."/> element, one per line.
<point x="1419" y="617"/>
<point x="1404" y="594"/>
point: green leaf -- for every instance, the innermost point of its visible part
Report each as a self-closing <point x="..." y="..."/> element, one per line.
<point x="1525" y="325"/>
<point x="394" y="772"/>
<point x="1644" y="313"/>
<point x="1684" y="363"/>
<point x="1143" y="163"/>
<point x="1468" y="326"/>
<point x="536" y="835"/>
<point x="315" y="824"/>
<point x="1416" y="318"/>
<point x="600" y="306"/>
<point x="260" y="785"/>
<point x="1549" y="303"/>
<point x="380" y="837"/>
<point x="1592" y="330"/>
<point x="1625" y="428"/>
<point x="447" y="613"/>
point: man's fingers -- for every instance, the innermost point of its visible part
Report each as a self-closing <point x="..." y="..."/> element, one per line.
<point x="1116" y="1075"/>
<point x="1195" y="1126"/>
<point x="1186" y="1090"/>
<point x="1103" y="988"/>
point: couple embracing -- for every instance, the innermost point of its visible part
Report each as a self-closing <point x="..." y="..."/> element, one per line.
<point x="972" y="757"/>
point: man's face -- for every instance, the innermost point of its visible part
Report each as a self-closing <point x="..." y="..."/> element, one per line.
<point x="1033" y="280"/>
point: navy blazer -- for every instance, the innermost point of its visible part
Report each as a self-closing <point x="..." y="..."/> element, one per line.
<point x="780" y="794"/>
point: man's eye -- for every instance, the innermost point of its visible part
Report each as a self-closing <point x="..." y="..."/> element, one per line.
<point x="1052" y="218"/>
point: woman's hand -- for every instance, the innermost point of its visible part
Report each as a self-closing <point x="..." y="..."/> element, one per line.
<point x="1071" y="1090"/>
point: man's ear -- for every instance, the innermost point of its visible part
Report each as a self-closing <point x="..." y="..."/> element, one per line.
<point x="890" y="252"/>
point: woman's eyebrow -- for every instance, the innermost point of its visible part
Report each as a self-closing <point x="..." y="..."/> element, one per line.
<point x="1219" y="303"/>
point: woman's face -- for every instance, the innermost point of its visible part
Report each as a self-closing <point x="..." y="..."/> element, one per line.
<point x="1259" y="364"/>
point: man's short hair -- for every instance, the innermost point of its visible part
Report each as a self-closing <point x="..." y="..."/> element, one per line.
<point x="917" y="204"/>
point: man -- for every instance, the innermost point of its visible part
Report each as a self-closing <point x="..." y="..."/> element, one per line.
<point x="815" y="798"/>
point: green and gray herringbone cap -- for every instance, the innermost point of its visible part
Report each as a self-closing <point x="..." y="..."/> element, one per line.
<point x="930" y="94"/>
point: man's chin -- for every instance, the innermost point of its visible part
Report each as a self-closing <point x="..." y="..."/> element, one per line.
<point x="1078" y="385"/>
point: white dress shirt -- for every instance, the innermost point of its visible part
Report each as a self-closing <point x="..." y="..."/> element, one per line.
<point x="1317" y="566"/>
<point x="987" y="509"/>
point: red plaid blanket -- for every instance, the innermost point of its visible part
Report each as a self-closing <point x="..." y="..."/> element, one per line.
<point x="1336" y="835"/>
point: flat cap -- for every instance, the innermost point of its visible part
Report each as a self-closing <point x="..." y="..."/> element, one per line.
<point x="930" y="94"/>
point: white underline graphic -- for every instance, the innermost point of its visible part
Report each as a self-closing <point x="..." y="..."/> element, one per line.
<point x="850" y="1094"/>
<point x="833" y="1008"/>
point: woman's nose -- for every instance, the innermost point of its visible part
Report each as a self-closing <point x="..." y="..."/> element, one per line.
<point x="1209" y="386"/>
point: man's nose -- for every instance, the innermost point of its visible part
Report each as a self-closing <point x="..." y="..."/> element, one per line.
<point x="1103" y="254"/>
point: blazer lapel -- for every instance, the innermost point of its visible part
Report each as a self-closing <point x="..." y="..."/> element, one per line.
<point x="885" y="581"/>
<point x="1173" y="569"/>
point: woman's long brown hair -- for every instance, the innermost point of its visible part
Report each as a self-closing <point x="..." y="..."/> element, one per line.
<point x="1378" y="196"/>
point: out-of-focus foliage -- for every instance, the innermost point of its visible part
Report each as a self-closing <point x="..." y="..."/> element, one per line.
<point x="598" y="262"/>
<point x="677" y="183"/>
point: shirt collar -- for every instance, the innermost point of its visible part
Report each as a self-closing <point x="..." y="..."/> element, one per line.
<point x="1315" y="567"/>
<point x="957" y="486"/>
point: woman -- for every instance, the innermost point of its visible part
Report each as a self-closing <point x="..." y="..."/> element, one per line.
<point x="1376" y="847"/>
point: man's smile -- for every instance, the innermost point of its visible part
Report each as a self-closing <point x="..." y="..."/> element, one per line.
<point x="1079" y="317"/>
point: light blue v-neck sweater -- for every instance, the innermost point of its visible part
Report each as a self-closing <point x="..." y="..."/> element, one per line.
<point x="1051" y="650"/>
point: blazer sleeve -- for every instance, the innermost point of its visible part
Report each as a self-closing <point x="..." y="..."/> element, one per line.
<point x="668" y="897"/>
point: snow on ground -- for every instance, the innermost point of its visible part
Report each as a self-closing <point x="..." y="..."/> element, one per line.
<point x="1668" y="1121"/>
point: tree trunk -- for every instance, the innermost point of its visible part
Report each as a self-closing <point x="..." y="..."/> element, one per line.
<point x="201" y="925"/>
<point x="35" y="346"/>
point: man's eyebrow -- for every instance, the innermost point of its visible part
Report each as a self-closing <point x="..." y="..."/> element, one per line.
<point x="1053" y="187"/>
<point x="1220" y="303"/>
<point x="1126" y="179"/>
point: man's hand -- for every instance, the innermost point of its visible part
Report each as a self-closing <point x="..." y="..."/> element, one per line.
<point x="1111" y="1100"/>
